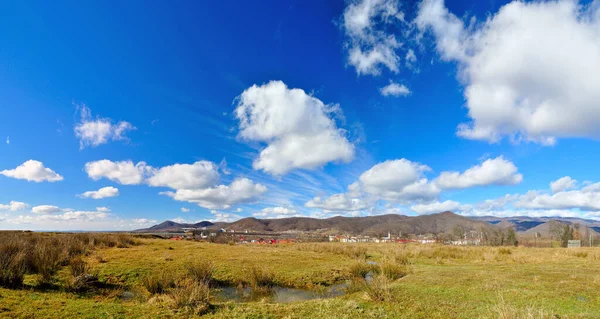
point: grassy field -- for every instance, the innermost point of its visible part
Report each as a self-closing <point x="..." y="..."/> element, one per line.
<point x="153" y="279"/>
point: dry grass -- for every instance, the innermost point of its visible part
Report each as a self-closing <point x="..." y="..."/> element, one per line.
<point x="44" y="254"/>
<point x="407" y="281"/>
<point x="159" y="282"/>
<point x="261" y="277"/>
<point x="191" y="297"/>
<point x="350" y="250"/>
<point x="201" y="270"/>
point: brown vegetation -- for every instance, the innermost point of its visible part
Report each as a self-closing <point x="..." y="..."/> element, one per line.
<point x="44" y="254"/>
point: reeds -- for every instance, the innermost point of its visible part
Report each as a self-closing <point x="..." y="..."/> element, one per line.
<point x="45" y="253"/>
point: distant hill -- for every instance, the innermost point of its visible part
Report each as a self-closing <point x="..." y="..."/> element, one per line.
<point x="169" y="226"/>
<point x="371" y="225"/>
<point x="530" y="225"/>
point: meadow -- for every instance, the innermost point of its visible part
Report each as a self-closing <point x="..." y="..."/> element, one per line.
<point x="119" y="276"/>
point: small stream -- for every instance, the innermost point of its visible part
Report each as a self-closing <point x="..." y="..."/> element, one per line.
<point x="279" y="294"/>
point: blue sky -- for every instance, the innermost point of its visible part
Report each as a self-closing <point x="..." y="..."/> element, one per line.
<point x="273" y="109"/>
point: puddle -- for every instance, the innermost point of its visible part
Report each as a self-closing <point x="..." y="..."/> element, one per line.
<point x="279" y="294"/>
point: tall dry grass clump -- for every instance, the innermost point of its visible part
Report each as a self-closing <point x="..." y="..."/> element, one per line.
<point x="191" y="296"/>
<point x="378" y="288"/>
<point x="44" y="254"/>
<point x="352" y="251"/>
<point x="201" y="271"/>
<point x="360" y="269"/>
<point x="261" y="278"/>
<point x="13" y="264"/>
<point x="159" y="282"/>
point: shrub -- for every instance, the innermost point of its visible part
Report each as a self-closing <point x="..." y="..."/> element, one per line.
<point x="201" y="271"/>
<point x="159" y="282"/>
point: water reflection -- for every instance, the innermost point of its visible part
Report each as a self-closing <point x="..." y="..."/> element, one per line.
<point x="279" y="294"/>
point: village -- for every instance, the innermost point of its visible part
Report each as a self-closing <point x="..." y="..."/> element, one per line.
<point x="232" y="236"/>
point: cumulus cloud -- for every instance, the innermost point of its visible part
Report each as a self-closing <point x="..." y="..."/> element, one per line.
<point x="529" y="70"/>
<point x="241" y="190"/>
<point x="399" y="180"/>
<point x="94" y="132"/>
<point x="276" y="212"/>
<point x="33" y="170"/>
<point x="437" y="207"/>
<point x="124" y="172"/>
<point x="583" y="199"/>
<point x="497" y="171"/>
<point x="103" y="192"/>
<point x="186" y="176"/>
<point x="103" y="209"/>
<point x="195" y="183"/>
<point x="562" y="184"/>
<point x="14" y="206"/>
<point x="299" y="129"/>
<point x="46" y="209"/>
<point x="224" y="217"/>
<point x="395" y="89"/>
<point x="143" y="222"/>
<point x="371" y="44"/>
<point x="339" y="203"/>
<point x="185" y="210"/>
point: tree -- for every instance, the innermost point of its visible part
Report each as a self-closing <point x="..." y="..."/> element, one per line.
<point x="511" y="237"/>
<point x="567" y="235"/>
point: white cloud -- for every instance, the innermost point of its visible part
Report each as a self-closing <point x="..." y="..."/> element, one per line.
<point x="103" y="209"/>
<point x="399" y="180"/>
<point x="437" y="207"/>
<point x="124" y="172"/>
<point x="185" y="210"/>
<point x="395" y="89"/>
<point x="563" y="184"/>
<point x="14" y="206"/>
<point x="241" y="190"/>
<point x="497" y="171"/>
<point x="411" y="58"/>
<point x="370" y="46"/>
<point x="338" y="202"/>
<point x="276" y="212"/>
<point x="530" y="70"/>
<point x="224" y="217"/>
<point x="33" y="170"/>
<point x="298" y="128"/>
<point x="580" y="202"/>
<point x="75" y="216"/>
<point x="496" y="204"/>
<point x="575" y="199"/>
<point x="46" y="209"/>
<point x="201" y="174"/>
<point x="141" y="222"/>
<point x="8" y="140"/>
<point x="94" y="132"/>
<point x="103" y="192"/>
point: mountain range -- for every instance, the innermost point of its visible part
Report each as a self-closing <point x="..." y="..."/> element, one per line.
<point x="444" y="222"/>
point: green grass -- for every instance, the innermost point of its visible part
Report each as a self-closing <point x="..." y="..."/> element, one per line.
<point x="416" y="281"/>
